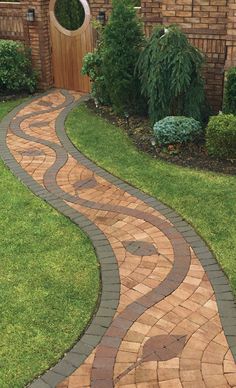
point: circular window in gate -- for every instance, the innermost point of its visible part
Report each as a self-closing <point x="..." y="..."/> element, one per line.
<point x="70" y="14"/>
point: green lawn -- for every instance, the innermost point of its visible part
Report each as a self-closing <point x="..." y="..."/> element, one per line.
<point x="49" y="281"/>
<point x="206" y="200"/>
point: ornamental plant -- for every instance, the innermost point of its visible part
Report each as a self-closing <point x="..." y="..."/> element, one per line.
<point x="221" y="136"/>
<point x="230" y="92"/>
<point x="93" y="67"/>
<point x="16" y="73"/>
<point x="169" y="69"/>
<point x="177" y="130"/>
<point x="122" y="43"/>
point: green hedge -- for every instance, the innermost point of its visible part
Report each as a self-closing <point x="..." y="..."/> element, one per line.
<point x="221" y="136"/>
<point x="16" y="73"/>
<point x="230" y="92"/>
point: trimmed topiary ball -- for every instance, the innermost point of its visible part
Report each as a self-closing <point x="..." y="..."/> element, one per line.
<point x="177" y="130"/>
<point x="221" y="136"/>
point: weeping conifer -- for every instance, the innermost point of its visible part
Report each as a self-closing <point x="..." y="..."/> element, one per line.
<point x="169" y="69"/>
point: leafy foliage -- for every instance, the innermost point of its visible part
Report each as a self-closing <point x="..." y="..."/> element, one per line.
<point x="93" y="67"/>
<point x="69" y="13"/>
<point x="221" y="136"/>
<point x="170" y="72"/>
<point x="177" y="130"/>
<point x="123" y="40"/>
<point x="136" y="3"/>
<point x="16" y="73"/>
<point x="230" y="92"/>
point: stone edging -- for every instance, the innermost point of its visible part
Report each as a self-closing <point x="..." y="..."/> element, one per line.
<point x="109" y="270"/>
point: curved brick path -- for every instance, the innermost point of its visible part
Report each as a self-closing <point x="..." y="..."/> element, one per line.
<point x="158" y="323"/>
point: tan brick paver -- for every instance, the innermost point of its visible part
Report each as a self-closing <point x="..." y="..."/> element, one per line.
<point x="195" y="352"/>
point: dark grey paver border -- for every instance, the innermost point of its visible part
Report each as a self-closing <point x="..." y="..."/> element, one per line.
<point x="106" y="308"/>
<point x="224" y="296"/>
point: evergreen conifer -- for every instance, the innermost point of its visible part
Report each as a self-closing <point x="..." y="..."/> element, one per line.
<point x="122" y="44"/>
<point x="170" y="72"/>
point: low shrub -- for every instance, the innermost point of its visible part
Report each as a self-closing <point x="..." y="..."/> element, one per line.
<point x="177" y="130"/>
<point x="16" y="73"/>
<point x="230" y="92"/>
<point x="92" y="66"/>
<point x="221" y="136"/>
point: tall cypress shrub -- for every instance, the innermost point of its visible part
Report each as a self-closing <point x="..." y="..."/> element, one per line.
<point x="169" y="69"/>
<point x="122" y="43"/>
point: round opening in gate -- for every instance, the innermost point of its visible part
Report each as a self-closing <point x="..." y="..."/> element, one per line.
<point x="70" y="14"/>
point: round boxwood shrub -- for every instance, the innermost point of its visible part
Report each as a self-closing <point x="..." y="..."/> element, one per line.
<point x="16" y="73"/>
<point x="177" y="130"/>
<point x="221" y="136"/>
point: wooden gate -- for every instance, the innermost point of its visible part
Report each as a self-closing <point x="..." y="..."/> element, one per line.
<point x="68" y="50"/>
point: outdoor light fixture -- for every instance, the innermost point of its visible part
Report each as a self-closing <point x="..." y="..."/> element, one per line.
<point x="30" y="16"/>
<point x="96" y="103"/>
<point x="101" y="17"/>
<point x="126" y="114"/>
<point x="153" y="141"/>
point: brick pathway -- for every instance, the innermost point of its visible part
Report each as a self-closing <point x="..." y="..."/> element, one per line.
<point x="159" y="323"/>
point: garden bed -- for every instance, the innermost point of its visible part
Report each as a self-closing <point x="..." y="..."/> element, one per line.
<point x="12" y="97"/>
<point x="141" y="134"/>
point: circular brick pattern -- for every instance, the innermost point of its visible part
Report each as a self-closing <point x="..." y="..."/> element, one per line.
<point x="140" y="248"/>
<point x="158" y="323"/>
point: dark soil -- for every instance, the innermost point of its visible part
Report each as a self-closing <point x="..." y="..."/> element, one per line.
<point x="140" y="132"/>
<point x="7" y="97"/>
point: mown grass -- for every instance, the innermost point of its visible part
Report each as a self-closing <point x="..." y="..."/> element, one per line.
<point x="207" y="200"/>
<point x="49" y="281"/>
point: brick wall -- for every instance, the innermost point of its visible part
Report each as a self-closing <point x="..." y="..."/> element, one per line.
<point x="39" y="39"/>
<point x="231" y="34"/>
<point x="13" y="25"/>
<point x="205" y="23"/>
<point x="209" y="24"/>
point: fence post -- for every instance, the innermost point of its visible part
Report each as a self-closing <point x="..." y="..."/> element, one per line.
<point x="38" y="38"/>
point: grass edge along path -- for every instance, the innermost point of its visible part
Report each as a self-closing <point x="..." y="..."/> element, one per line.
<point x="49" y="281"/>
<point x="206" y="200"/>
